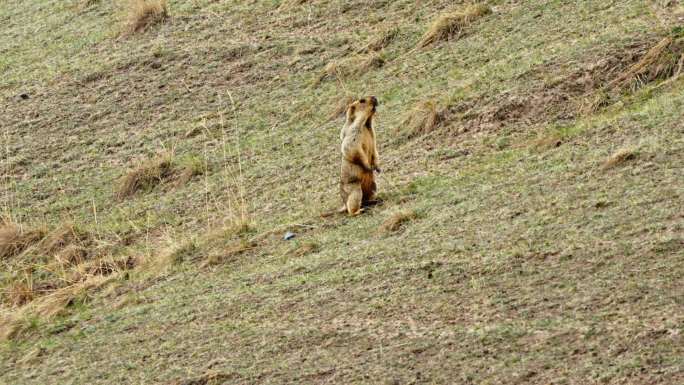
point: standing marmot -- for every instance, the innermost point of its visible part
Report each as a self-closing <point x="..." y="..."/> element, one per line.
<point x="359" y="156"/>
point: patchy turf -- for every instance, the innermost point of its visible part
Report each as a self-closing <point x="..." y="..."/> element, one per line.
<point x="541" y="150"/>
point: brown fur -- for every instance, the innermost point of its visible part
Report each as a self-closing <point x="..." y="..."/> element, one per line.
<point x="359" y="156"/>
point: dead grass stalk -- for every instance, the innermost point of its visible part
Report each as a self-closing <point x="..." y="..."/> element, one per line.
<point x="662" y="61"/>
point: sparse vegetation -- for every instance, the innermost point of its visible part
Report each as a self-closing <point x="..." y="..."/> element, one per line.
<point x="529" y="261"/>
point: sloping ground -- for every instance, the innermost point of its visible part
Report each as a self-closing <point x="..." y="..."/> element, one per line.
<point x="536" y="254"/>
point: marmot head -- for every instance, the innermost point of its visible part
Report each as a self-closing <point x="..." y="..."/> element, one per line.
<point x="362" y="110"/>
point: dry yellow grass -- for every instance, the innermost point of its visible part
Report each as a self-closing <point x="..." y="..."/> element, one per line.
<point x="451" y="25"/>
<point x="14" y="239"/>
<point x="145" y="13"/>
<point x="45" y="264"/>
<point x="146" y="175"/>
<point x="71" y="255"/>
<point x="381" y="41"/>
<point x="664" y="60"/>
<point x="339" y="69"/>
<point x="425" y="117"/>
<point x="13" y="323"/>
<point x="65" y="235"/>
<point x="619" y="158"/>
<point x="396" y="221"/>
<point x="19" y="293"/>
<point x="228" y="252"/>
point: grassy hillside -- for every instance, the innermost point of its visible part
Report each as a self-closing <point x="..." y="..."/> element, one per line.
<point x="532" y="225"/>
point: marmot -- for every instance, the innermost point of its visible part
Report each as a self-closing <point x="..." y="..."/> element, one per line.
<point x="359" y="156"/>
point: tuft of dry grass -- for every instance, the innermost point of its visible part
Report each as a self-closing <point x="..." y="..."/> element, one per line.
<point x="44" y="264"/>
<point x="13" y="324"/>
<point x="619" y="158"/>
<point x="356" y="65"/>
<point x="396" y="221"/>
<point x="14" y="239"/>
<point x="228" y="252"/>
<point x="143" y="14"/>
<point x="71" y="255"/>
<point x="216" y="246"/>
<point x="451" y="25"/>
<point x="19" y="293"/>
<point x="381" y="41"/>
<point x="663" y="61"/>
<point x="146" y="175"/>
<point x="106" y="266"/>
<point x="425" y="117"/>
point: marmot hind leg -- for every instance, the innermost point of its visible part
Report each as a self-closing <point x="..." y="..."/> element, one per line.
<point x="354" y="199"/>
<point x="368" y="187"/>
